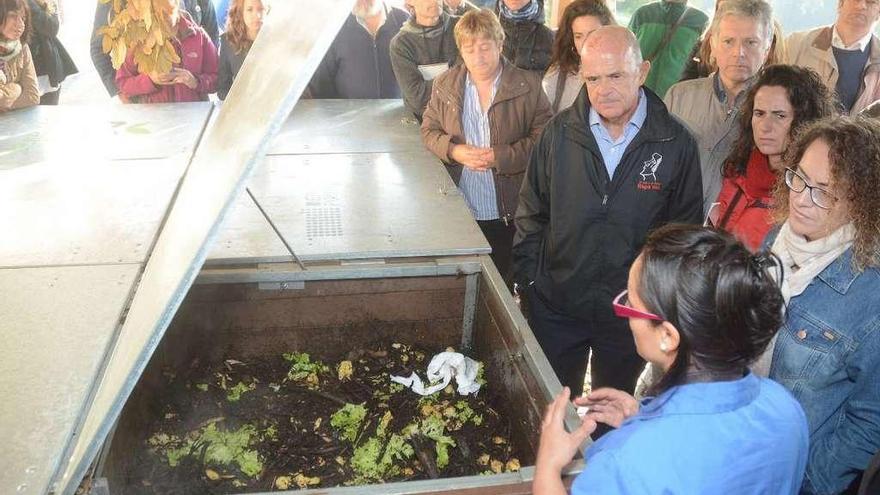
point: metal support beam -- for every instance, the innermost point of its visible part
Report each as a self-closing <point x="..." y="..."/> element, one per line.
<point x="472" y="287"/>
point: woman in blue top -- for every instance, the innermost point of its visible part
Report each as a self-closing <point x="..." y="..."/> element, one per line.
<point x="828" y="351"/>
<point x="701" y="308"/>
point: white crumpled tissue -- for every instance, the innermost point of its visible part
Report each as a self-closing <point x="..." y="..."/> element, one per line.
<point x="442" y="368"/>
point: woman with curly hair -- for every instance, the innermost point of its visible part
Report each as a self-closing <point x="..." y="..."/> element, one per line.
<point x="18" y="80"/>
<point x="701" y="308"/>
<point x="242" y="26"/>
<point x="783" y="98"/>
<point x="562" y="82"/>
<point x="827" y="352"/>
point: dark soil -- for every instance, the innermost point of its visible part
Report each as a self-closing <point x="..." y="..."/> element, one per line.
<point x="291" y="419"/>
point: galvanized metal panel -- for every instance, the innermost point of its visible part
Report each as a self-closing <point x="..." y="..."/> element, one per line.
<point x="84" y="213"/>
<point x="68" y="134"/>
<point x="348" y="126"/>
<point x="246" y="237"/>
<point x="264" y="93"/>
<point x="56" y="323"/>
<point x="366" y="206"/>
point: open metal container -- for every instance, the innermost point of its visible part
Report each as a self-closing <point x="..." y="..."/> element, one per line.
<point x="379" y="228"/>
<point x="430" y="282"/>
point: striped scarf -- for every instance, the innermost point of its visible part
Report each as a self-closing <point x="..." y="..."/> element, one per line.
<point x="526" y="13"/>
<point x="9" y="50"/>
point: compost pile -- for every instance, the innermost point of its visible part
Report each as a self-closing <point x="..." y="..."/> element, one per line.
<point x="295" y="422"/>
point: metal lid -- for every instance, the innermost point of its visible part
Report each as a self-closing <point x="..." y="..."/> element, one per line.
<point x="263" y="95"/>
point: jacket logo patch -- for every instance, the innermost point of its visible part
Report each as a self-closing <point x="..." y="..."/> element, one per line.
<point x="649" y="180"/>
<point x="192" y="55"/>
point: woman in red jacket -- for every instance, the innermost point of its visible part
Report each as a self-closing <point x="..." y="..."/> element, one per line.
<point x="783" y="98"/>
<point x="192" y="79"/>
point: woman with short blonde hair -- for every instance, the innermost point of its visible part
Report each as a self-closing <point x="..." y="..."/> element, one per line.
<point x="482" y="119"/>
<point x="478" y="24"/>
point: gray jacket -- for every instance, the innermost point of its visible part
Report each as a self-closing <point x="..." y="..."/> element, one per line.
<point x="701" y="104"/>
<point x="417" y="45"/>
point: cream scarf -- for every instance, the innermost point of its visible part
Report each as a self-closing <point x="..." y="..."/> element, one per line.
<point x="802" y="261"/>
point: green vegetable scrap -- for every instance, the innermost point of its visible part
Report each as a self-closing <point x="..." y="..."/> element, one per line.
<point x="433" y="427"/>
<point x="303" y="369"/>
<point x="368" y="465"/>
<point x="220" y="448"/>
<point x="227" y="447"/>
<point x="347" y="420"/>
<point x="234" y="394"/>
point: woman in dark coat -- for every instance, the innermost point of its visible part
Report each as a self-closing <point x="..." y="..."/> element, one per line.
<point x="51" y="61"/>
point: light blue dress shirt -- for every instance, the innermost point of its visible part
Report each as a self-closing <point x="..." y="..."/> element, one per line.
<point x="612" y="150"/>
<point x="742" y="437"/>
<point x="478" y="186"/>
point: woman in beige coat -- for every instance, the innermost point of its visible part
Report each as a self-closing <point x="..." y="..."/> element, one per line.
<point x="18" y="80"/>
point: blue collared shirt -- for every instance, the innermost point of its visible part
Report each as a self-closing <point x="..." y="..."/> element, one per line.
<point x="478" y="186"/>
<point x="612" y="150"/>
<point x="741" y="437"/>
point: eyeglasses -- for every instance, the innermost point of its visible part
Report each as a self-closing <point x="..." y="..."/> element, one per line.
<point x="622" y="309"/>
<point x="797" y="183"/>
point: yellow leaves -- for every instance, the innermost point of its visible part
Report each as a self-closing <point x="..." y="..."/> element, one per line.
<point x="496" y="466"/>
<point x="304" y="481"/>
<point x="483" y="460"/>
<point x="344" y="371"/>
<point x="282" y="482"/>
<point x="117" y="53"/>
<point x="512" y="465"/>
<point x="140" y="28"/>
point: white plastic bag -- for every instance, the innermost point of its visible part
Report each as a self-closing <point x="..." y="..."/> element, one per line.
<point x="442" y="368"/>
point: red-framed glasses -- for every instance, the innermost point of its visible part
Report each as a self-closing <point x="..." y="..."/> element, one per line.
<point x="622" y="309"/>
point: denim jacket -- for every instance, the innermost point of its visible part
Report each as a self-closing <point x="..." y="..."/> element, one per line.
<point x="828" y="355"/>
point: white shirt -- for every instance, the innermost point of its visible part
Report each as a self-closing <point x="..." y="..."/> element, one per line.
<point x="860" y="44"/>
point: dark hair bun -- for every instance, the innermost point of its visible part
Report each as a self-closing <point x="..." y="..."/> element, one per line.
<point x="722" y="299"/>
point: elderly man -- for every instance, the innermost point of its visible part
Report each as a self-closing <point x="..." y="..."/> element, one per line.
<point x="358" y="63"/>
<point x="482" y="120"/>
<point x="423" y="49"/>
<point x="846" y="54"/>
<point x="740" y="37"/>
<point x="605" y="172"/>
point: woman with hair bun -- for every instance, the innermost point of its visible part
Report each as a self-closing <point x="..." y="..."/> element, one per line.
<point x="701" y="308"/>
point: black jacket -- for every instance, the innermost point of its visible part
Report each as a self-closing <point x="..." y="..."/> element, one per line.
<point x="577" y="231"/>
<point x="527" y="44"/>
<point x="50" y="57"/>
<point x="358" y="65"/>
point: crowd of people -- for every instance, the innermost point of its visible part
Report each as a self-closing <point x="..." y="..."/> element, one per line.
<point x="717" y="171"/>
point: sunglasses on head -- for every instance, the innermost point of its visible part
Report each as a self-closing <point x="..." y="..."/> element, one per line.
<point x="622" y="309"/>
